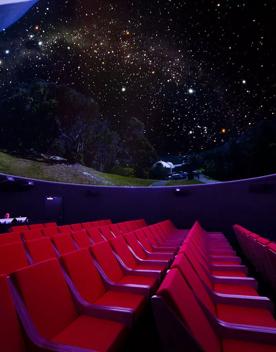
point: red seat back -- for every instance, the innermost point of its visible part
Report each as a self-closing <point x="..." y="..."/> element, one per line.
<point x="81" y="238"/>
<point x="41" y="249"/>
<point x="64" y="243"/>
<point x="12" y="258"/>
<point x="103" y="254"/>
<point x="81" y="269"/>
<point x="32" y="234"/>
<point x="46" y="297"/>
<point x="7" y="238"/>
<point x="95" y="235"/>
<point x="120" y="247"/>
<point x="175" y="291"/>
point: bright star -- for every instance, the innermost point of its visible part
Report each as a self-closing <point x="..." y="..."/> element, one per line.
<point x="191" y="91"/>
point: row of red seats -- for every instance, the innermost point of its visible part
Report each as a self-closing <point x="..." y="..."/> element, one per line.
<point x="107" y="229"/>
<point x="208" y="303"/>
<point x="84" y="300"/>
<point x="260" y="251"/>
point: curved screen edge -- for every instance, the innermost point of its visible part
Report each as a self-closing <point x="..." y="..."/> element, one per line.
<point x="12" y="10"/>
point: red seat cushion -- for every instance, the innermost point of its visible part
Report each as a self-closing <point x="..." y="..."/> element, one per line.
<point x="138" y="280"/>
<point x="228" y="273"/>
<point x="235" y="289"/>
<point x="246" y="346"/>
<point x="89" y="332"/>
<point x="122" y="299"/>
<point x="245" y="315"/>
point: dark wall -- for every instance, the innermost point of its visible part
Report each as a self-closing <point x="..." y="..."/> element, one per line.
<point x="251" y="203"/>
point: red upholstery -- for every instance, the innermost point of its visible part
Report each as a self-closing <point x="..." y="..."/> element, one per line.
<point x="64" y="243"/>
<point x="84" y="274"/>
<point x="50" y="224"/>
<point x="10" y="333"/>
<point x="46" y="297"/>
<point x="88" y="332"/>
<point x="65" y="229"/>
<point x="95" y="235"/>
<point x="76" y="227"/>
<point x="81" y="238"/>
<point x="41" y="249"/>
<point x="50" y="306"/>
<point x="32" y="234"/>
<point x="7" y="238"/>
<point x="106" y="232"/>
<point x="246" y="346"/>
<point x="89" y="283"/>
<point x="128" y="258"/>
<point x="36" y="227"/>
<point x="176" y="293"/>
<point x="246" y="315"/>
<point x="12" y="258"/>
<point x="111" y="267"/>
<point x="50" y="231"/>
<point x="19" y="228"/>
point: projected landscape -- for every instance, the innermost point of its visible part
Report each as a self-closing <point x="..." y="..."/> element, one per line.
<point x="138" y="93"/>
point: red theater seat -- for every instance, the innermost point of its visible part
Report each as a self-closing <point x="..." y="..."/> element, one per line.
<point x="7" y="238"/>
<point x="81" y="238"/>
<point x="106" y="232"/>
<point x="12" y="258"/>
<point x="92" y="287"/>
<point x="50" y="307"/>
<point x="32" y="234"/>
<point x="36" y="227"/>
<point x="11" y="339"/>
<point x="141" y="252"/>
<point x="50" y="231"/>
<point x="76" y="227"/>
<point x="182" y="322"/>
<point x="19" y="228"/>
<point x="41" y="249"/>
<point x="64" y="243"/>
<point x="115" y="274"/>
<point x="50" y="224"/>
<point x="95" y="235"/>
<point x="65" y="229"/>
<point x="128" y="259"/>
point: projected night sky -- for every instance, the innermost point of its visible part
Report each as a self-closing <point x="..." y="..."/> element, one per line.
<point x="195" y="72"/>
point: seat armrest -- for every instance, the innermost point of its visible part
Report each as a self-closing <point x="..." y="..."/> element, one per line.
<point x="249" y="301"/>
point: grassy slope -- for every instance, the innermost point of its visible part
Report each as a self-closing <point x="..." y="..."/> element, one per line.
<point x="71" y="173"/>
<point x="64" y="173"/>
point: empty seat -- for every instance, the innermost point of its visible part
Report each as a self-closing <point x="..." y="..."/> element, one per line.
<point x="36" y="227"/>
<point x="95" y="235"/>
<point x="50" y="231"/>
<point x="81" y="238"/>
<point x="7" y="238"/>
<point x="11" y="339"/>
<point x="49" y="305"/>
<point x="12" y="258"/>
<point x="50" y="224"/>
<point x="141" y="252"/>
<point x="129" y="260"/>
<point x="65" y="229"/>
<point x="106" y="232"/>
<point x="19" y="228"/>
<point x="32" y="234"/>
<point x="64" y="243"/>
<point x="41" y="249"/>
<point x="92" y="288"/>
<point x="182" y="322"/>
<point x="113" y="270"/>
<point x="76" y="227"/>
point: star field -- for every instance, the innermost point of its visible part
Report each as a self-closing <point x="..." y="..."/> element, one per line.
<point x="195" y="72"/>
